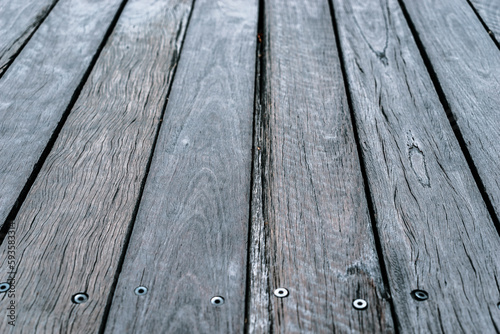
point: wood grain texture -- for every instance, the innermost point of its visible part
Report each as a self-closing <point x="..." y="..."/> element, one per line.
<point x="189" y="241"/>
<point x="36" y="91"/>
<point x="258" y="294"/>
<point x="436" y="232"/>
<point x="489" y="11"/>
<point x="73" y="224"/>
<point x="18" y="21"/>
<point x="321" y="245"/>
<point x="466" y="62"/>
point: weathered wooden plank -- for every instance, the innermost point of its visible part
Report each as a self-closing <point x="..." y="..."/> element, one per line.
<point x="189" y="240"/>
<point x="37" y="89"/>
<point x="321" y="246"/>
<point x="18" y="21"/>
<point x="489" y="11"/>
<point x="466" y="62"/>
<point x="258" y="294"/>
<point x="73" y="225"/>
<point x="436" y="233"/>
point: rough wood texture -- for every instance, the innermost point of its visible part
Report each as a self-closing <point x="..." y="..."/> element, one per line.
<point x="189" y="239"/>
<point x="466" y="62"/>
<point x="321" y="245"/>
<point x="489" y="11"/>
<point x="73" y="224"/>
<point x="258" y="294"/>
<point x="19" y="19"/>
<point x="436" y="232"/>
<point x="36" y="91"/>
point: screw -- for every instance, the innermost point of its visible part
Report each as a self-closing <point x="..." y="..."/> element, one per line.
<point x="4" y="287"/>
<point x="80" y="298"/>
<point x="281" y="292"/>
<point x="217" y="300"/>
<point x="360" y="304"/>
<point x="420" y="295"/>
<point x="141" y="290"/>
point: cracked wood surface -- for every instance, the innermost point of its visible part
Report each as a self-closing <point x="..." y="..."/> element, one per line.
<point x="38" y="88"/>
<point x="466" y="63"/>
<point x="436" y="232"/>
<point x="321" y="245"/>
<point x="189" y="241"/>
<point x="73" y="225"/>
<point x="19" y="20"/>
<point x="429" y="158"/>
<point x="258" y="294"/>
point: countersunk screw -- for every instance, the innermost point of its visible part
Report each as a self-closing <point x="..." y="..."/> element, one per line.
<point x="360" y="304"/>
<point x="80" y="298"/>
<point x="4" y="287"/>
<point x="217" y="300"/>
<point x="281" y="292"/>
<point x="420" y="295"/>
<point x="141" y="290"/>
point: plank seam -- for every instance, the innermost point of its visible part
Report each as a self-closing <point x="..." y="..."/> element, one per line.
<point x="451" y="119"/>
<point x="368" y="192"/>
<point x="257" y="166"/>
<point x="264" y="121"/>
<point x="50" y="144"/>
<point x="180" y="38"/>
<point x="488" y="30"/>
<point x="37" y="25"/>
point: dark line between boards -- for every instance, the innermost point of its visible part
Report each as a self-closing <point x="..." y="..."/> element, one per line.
<point x="485" y="26"/>
<point x="50" y="144"/>
<point x="4" y="69"/>
<point x="128" y="236"/>
<point x="452" y="119"/>
<point x="256" y="154"/>
<point x="368" y="192"/>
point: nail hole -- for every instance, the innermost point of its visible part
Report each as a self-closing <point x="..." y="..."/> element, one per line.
<point x="4" y="287"/>
<point x="281" y="292"/>
<point x="420" y="295"/>
<point x="217" y="300"/>
<point x="80" y="298"/>
<point x="141" y="290"/>
<point x="498" y="305"/>
<point x="360" y="304"/>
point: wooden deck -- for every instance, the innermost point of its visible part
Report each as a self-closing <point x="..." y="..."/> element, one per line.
<point x="246" y="166"/>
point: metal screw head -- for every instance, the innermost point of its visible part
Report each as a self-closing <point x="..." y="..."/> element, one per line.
<point x="4" y="287"/>
<point x="360" y="304"/>
<point x="217" y="300"/>
<point x="281" y="292"/>
<point x="80" y="298"/>
<point x="141" y="290"/>
<point x="420" y="295"/>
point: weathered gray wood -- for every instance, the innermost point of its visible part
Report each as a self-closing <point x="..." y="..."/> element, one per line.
<point x="258" y="294"/>
<point x="321" y="245"/>
<point x="189" y="240"/>
<point x="489" y="11"/>
<point x="467" y="64"/>
<point x="73" y="224"/>
<point x="436" y="232"/>
<point x="36" y="91"/>
<point x="18" y="20"/>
